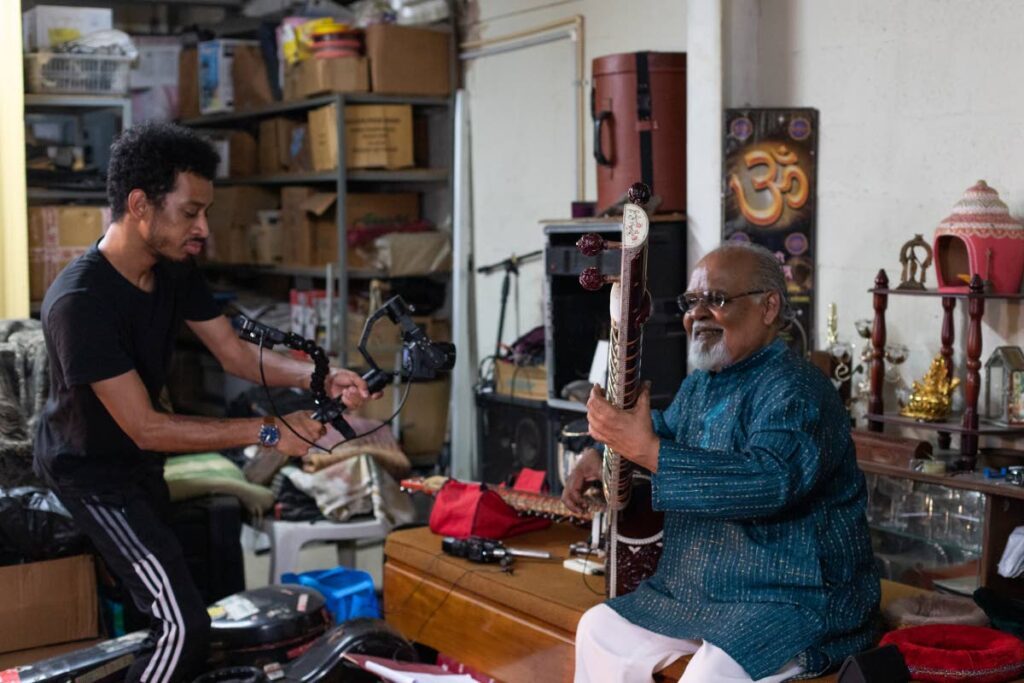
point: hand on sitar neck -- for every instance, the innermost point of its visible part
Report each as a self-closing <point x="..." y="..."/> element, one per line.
<point x="629" y="308"/>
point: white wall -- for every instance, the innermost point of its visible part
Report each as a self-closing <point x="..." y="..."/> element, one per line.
<point x="522" y="109"/>
<point x="918" y="100"/>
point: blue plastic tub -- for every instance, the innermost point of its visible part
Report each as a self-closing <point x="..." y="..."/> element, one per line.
<point x="349" y="592"/>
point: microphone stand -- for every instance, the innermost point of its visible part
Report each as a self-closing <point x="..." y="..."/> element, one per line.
<point x="510" y="265"/>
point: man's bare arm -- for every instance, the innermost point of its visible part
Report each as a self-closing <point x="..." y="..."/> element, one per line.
<point x="240" y="358"/>
<point x="126" y="399"/>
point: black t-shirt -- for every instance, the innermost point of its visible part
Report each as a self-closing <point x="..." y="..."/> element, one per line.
<point x="99" y="325"/>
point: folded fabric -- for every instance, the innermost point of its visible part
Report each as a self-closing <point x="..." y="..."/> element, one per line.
<point x="463" y="510"/>
<point x="380" y="444"/>
<point x="203" y="474"/>
<point x="352" y="487"/>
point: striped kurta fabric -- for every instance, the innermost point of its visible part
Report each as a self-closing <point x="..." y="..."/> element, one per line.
<point x="767" y="553"/>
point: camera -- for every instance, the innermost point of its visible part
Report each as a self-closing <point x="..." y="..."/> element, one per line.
<point x="422" y="359"/>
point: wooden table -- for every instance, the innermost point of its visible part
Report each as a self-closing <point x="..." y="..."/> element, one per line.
<point x="514" y="627"/>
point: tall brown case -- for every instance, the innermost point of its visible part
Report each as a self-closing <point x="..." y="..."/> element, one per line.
<point x="638" y="103"/>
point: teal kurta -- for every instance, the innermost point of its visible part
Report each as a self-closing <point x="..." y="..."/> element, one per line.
<point x="766" y="553"/>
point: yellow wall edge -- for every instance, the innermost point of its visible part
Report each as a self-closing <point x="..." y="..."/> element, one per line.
<point x="14" y="294"/>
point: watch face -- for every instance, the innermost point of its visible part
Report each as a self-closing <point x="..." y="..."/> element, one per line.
<point x="269" y="435"/>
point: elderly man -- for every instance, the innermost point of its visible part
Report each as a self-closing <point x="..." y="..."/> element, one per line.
<point x="767" y="572"/>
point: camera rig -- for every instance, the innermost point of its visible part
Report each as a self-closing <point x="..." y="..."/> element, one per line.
<point x="422" y="359"/>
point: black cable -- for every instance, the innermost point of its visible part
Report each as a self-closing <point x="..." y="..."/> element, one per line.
<point x="277" y="413"/>
<point x="586" y="560"/>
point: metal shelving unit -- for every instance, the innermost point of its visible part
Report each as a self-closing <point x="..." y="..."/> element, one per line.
<point x="312" y="272"/>
<point x="436" y="179"/>
<point x="410" y="175"/>
<point x="48" y="194"/>
<point x="61" y="103"/>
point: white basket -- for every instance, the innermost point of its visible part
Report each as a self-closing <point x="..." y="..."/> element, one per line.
<point x="51" y="72"/>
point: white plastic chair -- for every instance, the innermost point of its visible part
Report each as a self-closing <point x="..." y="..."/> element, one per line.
<point x="287" y="539"/>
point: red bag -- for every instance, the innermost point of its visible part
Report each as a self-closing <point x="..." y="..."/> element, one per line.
<point x="463" y="510"/>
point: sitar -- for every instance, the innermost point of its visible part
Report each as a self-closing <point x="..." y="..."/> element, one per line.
<point x="525" y="502"/>
<point x="634" y="530"/>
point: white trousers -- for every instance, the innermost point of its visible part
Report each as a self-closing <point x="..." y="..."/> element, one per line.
<point x="611" y="649"/>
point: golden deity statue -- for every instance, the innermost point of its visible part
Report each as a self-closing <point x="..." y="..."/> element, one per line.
<point x="931" y="399"/>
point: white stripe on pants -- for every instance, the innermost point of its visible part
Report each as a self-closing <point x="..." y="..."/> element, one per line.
<point x="611" y="649"/>
<point x="164" y="606"/>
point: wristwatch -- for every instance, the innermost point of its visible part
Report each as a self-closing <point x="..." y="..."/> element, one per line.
<point x="270" y="435"/>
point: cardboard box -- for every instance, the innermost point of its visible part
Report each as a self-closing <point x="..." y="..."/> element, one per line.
<point x="56" y="236"/>
<point x="424" y="420"/>
<point x="157" y="65"/>
<point x="284" y="146"/>
<point x="376" y="136"/>
<point x="316" y="76"/>
<point x="529" y="382"/>
<point x="234" y="209"/>
<point x="12" y="660"/>
<point x="232" y="76"/>
<point x="386" y="339"/>
<point x="250" y="79"/>
<point x="33" y="613"/>
<point x="45" y="26"/>
<point x="188" y="83"/>
<point x="409" y="61"/>
<point x="310" y="222"/>
<point x="266" y="243"/>
<point x="414" y="253"/>
<point x="237" y="155"/>
<point x="274" y="144"/>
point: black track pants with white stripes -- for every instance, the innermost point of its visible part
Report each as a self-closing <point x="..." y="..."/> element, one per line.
<point x="128" y="530"/>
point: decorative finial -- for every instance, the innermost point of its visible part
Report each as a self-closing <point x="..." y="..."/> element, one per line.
<point x="591" y="244"/>
<point x="639" y="193"/>
<point x="591" y="279"/>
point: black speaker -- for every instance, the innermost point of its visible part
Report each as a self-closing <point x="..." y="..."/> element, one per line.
<point x="516" y="433"/>
<point x="576" y="319"/>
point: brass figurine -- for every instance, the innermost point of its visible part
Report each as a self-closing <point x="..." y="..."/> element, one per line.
<point x="911" y="264"/>
<point x="931" y="399"/>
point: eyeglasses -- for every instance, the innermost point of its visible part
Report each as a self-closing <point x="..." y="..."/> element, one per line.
<point x="688" y="301"/>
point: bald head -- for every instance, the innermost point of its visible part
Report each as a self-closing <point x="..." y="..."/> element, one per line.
<point x="740" y="299"/>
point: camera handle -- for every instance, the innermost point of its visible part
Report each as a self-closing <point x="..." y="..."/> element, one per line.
<point x="328" y="410"/>
<point x="422" y="359"/>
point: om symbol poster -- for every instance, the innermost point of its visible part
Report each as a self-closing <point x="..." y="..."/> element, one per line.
<point x="769" y="190"/>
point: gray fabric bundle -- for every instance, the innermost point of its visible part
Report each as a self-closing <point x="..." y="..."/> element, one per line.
<point x="24" y="387"/>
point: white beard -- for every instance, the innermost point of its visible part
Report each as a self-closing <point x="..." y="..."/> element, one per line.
<point x="709" y="358"/>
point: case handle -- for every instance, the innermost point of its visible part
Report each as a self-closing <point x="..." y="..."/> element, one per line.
<point x="599" y="118"/>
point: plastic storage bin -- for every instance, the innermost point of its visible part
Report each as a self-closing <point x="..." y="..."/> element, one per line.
<point x="349" y="592"/>
<point x="58" y="73"/>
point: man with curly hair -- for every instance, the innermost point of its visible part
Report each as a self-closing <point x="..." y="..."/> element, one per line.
<point x="110" y="320"/>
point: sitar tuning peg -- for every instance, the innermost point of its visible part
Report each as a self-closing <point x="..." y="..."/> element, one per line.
<point x="593" y="244"/>
<point x="639" y="193"/>
<point x="592" y="280"/>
